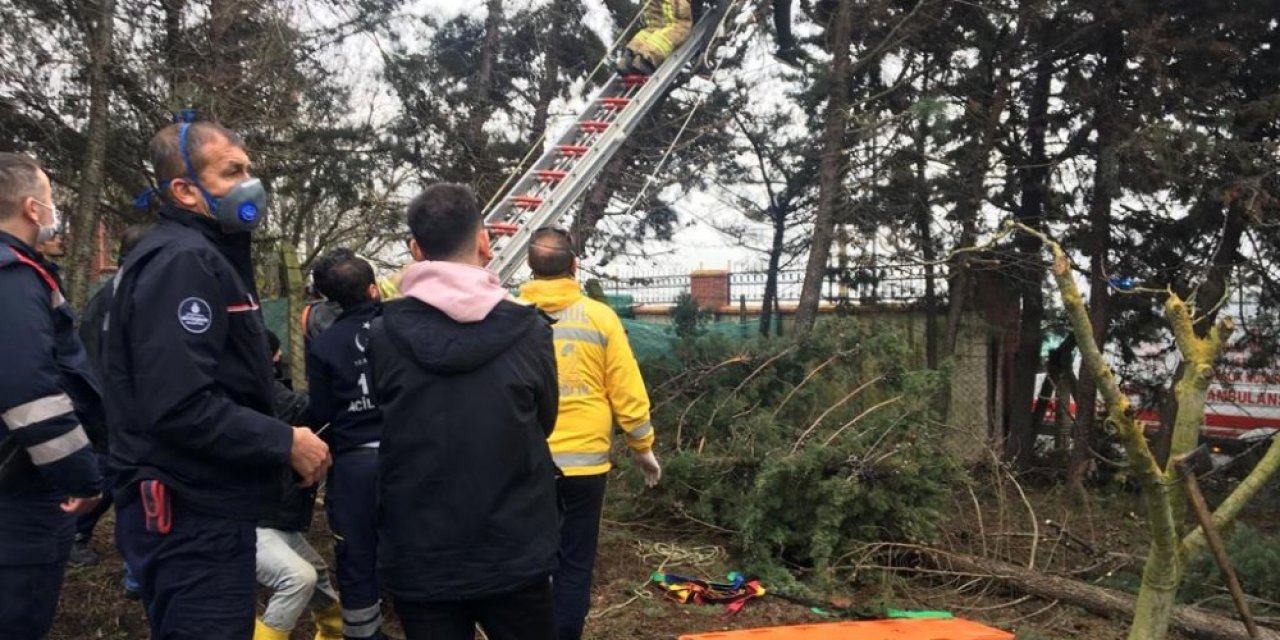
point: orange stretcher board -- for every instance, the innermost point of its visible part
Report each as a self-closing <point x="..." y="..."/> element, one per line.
<point x="867" y="630"/>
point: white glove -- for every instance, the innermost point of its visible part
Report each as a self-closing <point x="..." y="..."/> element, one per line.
<point x="648" y="464"/>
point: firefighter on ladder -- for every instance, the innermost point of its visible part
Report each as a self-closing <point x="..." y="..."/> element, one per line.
<point x="666" y="26"/>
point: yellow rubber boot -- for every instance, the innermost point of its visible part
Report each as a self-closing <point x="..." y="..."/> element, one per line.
<point x="329" y="622"/>
<point x="262" y="632"/>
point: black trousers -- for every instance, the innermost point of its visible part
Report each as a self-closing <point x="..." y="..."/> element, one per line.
<point x="583" y="500"/>
<point x="29" y="599"/>
<point x="198" y="580"/>
<point x="35" y="539"/>
<point x="352" y="504"/>
<point x="524" y="614"/>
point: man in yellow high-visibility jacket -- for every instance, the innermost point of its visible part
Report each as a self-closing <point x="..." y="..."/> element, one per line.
<point x="666" y="26"/>
<point x="600" y="385"/>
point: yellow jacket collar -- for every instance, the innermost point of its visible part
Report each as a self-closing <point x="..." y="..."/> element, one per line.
<point x="552" y="295"/>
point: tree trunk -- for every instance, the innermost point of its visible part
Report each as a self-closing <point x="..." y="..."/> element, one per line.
<point x="1105" y="187"/>
<point x="1100" y="315"/>
<point x="779" y="218"/>
<point x="1162" y="496"/>
<point x="1153" y="611"/>
<point x="1034" y="179"/>
<point x="924" y="230"/>
<point x="599" y="195"/>
<point x="99" y="33"/>
<point x="482" y="168"/>
<point x="1097" y="600"/>
<point x="224" y="76"/>
<point x="988" y="100"/>
<point x="484" y="75"/>
<point x="831" y="168"/>
<point x="1020" y="447"/>
<point x="173" y="41"/>
<point x="549" y="83"/>
<point x="1211" y="291"/>
<point x="1218" y="281"/>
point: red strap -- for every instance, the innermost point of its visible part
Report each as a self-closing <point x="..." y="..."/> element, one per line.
<point x="155" y="506"/>
<point x="44" y="275"/>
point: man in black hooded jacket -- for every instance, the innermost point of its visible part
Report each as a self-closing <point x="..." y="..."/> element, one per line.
<point x="468" y="527"/>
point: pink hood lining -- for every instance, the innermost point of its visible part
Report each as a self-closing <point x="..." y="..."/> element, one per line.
<point x="463" y="292"/>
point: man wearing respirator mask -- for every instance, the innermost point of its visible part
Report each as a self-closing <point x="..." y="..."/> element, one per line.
<point x="198" y="450"/>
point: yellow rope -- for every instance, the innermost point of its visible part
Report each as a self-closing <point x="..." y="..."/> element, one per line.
<point x="667" y="554"/>
<point x="671" y="554"/>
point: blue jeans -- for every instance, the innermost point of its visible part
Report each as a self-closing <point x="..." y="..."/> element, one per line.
<point x="131" y="583"/>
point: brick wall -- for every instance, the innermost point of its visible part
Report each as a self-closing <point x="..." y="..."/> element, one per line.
<point x="710" y="288"/>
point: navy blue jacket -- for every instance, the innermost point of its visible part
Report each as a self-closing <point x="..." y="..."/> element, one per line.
<point x="338" y="381"/>
<point x="45" y="385"/>
<point x="91" y="324"/>
<point x="189" y="380"/>
<point x="297" y="504"/>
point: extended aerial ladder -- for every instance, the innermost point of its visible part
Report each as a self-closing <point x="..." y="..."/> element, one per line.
<point x="545" y="192"/>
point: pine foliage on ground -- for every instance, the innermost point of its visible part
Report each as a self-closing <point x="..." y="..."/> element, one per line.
<point x="800" y="448"/>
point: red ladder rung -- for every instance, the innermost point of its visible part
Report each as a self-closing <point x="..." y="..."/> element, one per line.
<point x="573" y="150"/>
<point x="550" y="175"/>
<point x="527" y="202"/>
<point x="634" y="80"/>
<point x="503" y="228"/>
<point x="615" y="104"/>
<point x="593" y="126"/>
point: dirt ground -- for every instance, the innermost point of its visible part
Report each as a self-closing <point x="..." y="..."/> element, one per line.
<point x="623" y="606"/>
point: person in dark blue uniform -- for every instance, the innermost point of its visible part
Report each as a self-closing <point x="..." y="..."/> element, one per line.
<point x="47" y="392"/>
<point x="338" y="382"/>
<point x="90" y="332"/>
<point x="197" y="450"/>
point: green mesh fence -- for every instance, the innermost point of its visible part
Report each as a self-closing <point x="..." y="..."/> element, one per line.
<point x="275" y="312"/>
<point x="649" y="340"/>
<point x="655" y="339"/>
<point x="622" y="305"/>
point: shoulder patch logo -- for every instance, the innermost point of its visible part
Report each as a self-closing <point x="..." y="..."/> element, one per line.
<point x="195" y="315"/>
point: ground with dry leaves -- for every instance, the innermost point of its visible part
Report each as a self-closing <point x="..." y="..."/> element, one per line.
<point x="1086" y="541"/>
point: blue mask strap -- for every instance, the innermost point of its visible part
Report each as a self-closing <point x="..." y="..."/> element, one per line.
<point x="142" y="201"/>
<point x="191" y="169"/>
